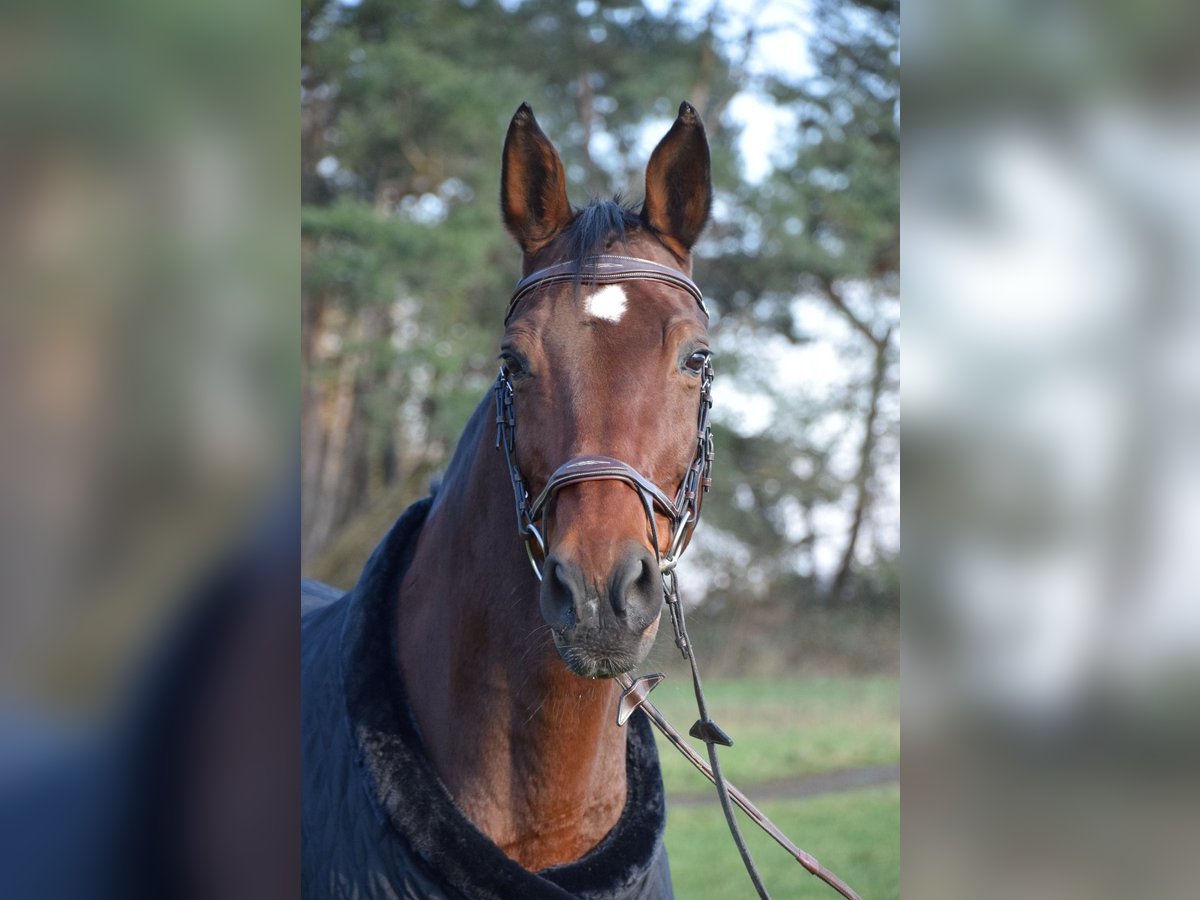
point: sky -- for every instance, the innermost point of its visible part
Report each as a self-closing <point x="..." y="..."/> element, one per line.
<point x="780" y="48"/>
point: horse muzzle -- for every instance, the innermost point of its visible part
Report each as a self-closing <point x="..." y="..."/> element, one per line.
<point x="603" y="626"/>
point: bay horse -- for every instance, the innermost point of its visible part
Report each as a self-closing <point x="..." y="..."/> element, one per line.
<point x="460" y="734"/>
<point x="514" y="699"/>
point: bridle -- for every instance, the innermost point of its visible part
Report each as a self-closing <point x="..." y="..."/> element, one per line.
<point x="683" y="512"/>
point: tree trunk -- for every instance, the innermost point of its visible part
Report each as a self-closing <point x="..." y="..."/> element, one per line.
<point x="336" y="423"/>
<point x="862" y="477"/>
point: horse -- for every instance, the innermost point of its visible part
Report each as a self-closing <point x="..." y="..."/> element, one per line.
<point x="459" y="706"/>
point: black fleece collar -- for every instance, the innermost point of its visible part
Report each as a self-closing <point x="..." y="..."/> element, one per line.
<point x="407" y="793"/>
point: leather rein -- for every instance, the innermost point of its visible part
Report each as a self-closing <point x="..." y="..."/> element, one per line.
<point x="683" y="511"/>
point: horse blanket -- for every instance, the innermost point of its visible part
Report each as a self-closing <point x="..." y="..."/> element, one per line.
<point x="377" y="822"/>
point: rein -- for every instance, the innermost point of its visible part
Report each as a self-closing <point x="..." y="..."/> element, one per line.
<point x="683" y="511"/>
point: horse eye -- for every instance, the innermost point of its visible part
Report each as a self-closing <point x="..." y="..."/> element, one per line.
<point x="511" y="363"/>
<point x="695" y="362"/>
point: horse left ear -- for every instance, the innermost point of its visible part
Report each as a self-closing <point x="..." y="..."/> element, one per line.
<point x="679" y="183"/>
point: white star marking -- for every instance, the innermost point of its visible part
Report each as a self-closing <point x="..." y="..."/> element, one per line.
<point x="608" y="303"/>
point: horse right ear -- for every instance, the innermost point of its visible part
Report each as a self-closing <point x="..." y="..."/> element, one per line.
<point x="533" y="186"/>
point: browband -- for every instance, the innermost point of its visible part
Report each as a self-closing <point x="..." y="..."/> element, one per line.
<point x="604" y="270"/>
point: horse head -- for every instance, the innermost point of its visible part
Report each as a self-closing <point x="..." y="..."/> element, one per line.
<point x="606" y="370"/>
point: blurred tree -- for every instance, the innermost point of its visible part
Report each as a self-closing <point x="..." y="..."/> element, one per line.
<point x="822" y="228"/>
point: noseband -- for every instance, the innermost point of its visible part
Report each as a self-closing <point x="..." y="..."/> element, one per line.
<point x="684" y="510"/>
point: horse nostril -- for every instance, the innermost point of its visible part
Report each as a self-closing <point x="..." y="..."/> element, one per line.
<point x="627" y="572"/>
<point x="649" y="577"/>
<point x="558" y="594"/>
<point x="559" y="578"/>
<point x="635" y="595"/>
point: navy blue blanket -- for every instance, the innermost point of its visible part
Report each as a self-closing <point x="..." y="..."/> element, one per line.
<point x="376" y="820"/>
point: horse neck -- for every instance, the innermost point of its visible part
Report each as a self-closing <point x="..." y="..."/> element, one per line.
<point x="529" y="751"/>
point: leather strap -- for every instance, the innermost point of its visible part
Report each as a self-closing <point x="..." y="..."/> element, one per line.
<point x="601" y="468"/>
<point x="603" y="270"/>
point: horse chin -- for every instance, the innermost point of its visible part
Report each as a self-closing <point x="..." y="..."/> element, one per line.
<point x="597" y="663"/>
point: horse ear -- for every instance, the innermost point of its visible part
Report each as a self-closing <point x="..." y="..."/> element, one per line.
<point x="679" y="183"/>
<point x="533" y="186"/>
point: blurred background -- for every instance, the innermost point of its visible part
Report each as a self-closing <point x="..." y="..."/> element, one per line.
<point x="1052" y="454"/>
<point x="793" y="577"/>
<point x="147" y="334"/>
<point x="149" y="271"/>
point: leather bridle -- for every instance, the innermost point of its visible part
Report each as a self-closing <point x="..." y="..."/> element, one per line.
<point x="683" y="511"/>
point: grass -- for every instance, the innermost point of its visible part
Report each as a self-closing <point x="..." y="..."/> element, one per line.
<point x="856" y="835"/>
<point x="785" y="728"/>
